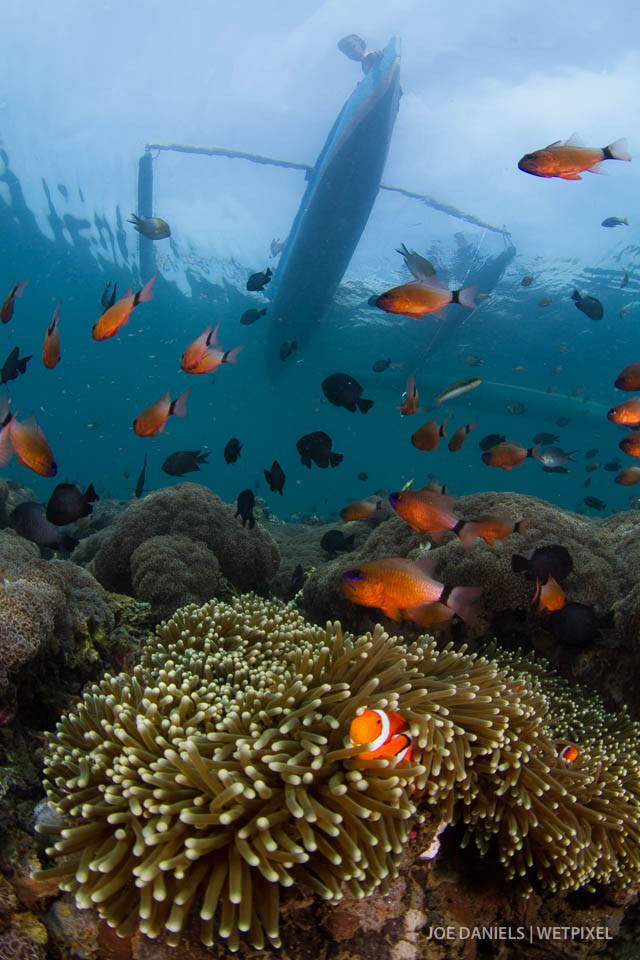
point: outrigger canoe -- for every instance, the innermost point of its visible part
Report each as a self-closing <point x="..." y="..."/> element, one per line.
<point x="334" y="210"/>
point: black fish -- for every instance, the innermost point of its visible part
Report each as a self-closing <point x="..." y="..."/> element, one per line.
<point x="612" y="465"/>
<point x="275" y="477"/>
<point x="381" y="365"/>
<point x="232" y="450"/>
<point x="590" y="454"/>
<point x="526" y="281"/>
<point x="342" y="390"/>
<point x="30" y="521"/>
<point x="363" y="476"/>
<point x="68" y="503"/>
<point x="557" y="469"/>
<point x="317" y="446"/>
<point x="250" y="316"/>
<point x="184" y="461"/>
<point x="13" y="365"/>
<point x="244" y="508"/>
<point x="140" y="481"/>
<point x="545" y="438"/>
<point x="108" y="299"/>
<point x="615" y="222"/>
<point x="588" y="305"/>
<point x="492" y="440"/>
<point x="257" y="281"/>
<point x="335" y="542"/>
<point x="578" y="624"/>
<point x="595" y="503"/>
<point x="287" y="347"/>
<point x="297" y="580"/>
<point x="554" y="561"/>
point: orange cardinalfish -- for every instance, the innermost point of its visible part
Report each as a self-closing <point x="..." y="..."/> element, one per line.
<point x="384" y="732"/>
<point x="460" y="435"/>
<point x="508" y="455"/>
<point x="117" y="315"/>
<point x="409" y="403"/>
<point x="548" y="596"/>
<point x="631" y="444"/>
<point x="361" y="509"/>
<point x="627" y="413"/>
<point x="30" y="446"/>
<point x="152" y="420"/>
<point x="629" y="378"/>
<point x="627" y="477"/>
<point x="403" y="589"/>
<point x="204" y="355"/>
<point x="429" y="512"/>
<point x="427" y="437"/>
<point x="420" y="297"/>
<point x="51" y="345"/>
<point x="7" y="308"/>
<point x="569" y="159"/>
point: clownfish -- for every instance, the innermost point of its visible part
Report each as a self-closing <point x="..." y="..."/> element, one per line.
<point x="384" y="733"/>
<point x="568" y="752"/>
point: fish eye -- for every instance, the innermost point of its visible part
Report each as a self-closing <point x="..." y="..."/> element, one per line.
<point x="354" y="574"/>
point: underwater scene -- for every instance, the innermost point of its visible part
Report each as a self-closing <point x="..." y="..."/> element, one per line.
<point x="319" y="481"/>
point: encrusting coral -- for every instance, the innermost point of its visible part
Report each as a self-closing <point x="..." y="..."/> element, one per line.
<point x="221" y="769"/>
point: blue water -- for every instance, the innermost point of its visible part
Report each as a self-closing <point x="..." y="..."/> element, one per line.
<point x="68" y="241"/>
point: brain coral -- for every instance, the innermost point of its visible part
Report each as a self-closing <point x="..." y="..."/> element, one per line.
<point x="171" y="571"/>
<point x="248" y="559"/>
<point x="220" y="770"/>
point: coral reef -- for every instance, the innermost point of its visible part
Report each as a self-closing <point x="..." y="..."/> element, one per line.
<point x="248" y="559"/>
<point x="171" y="570"/>
<point x="220" y="771"/>
<point x="46" y="604"/>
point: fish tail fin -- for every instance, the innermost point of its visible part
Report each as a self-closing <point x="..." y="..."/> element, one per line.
<point x="467" y="532"/>
<point x="22" y="364"/>
<point x="430" y="614"/>
<point x="135" y="219"/>
<point x="18" y="290"/>
<point x="466" y="297"/>
<point x="269" y="273"/>
<point x="230" y="356"/>
<point x="178" y="407"/>
<point x="364" y="405"/>
<point x="617" y="150"/>
<point x="334" y="459"/>
<point x="146" y="293"/>
<point x="576" y="295"/>
<point x="90" y="494"/>
<point x="464" y="601"/>
<point x="535" y="451"/>
<point x="202" y="457"/>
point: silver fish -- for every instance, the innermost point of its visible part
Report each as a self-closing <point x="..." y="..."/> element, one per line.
<point x="457" y="389"/>
<point x="421" y="268"/>
<point x="555" y="456"/>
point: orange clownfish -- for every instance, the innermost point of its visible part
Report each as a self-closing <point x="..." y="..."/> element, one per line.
<point x="152" y="420"/>
<point x="569" y="159"/>
<point x="117" y="315"/>
<point x="508" y="455"/>
<point x="549" y="595"/>
<point x="7" y="308"/>
<point x="420" y="297"/>
<point x="51" y="345"/>
<point x="627" y="414"/>
<point x="384" y="733"/>
<point x="204" y="354"/>
<point x="30" y="446"/>
<point x="409" y="403"/>
<point x="568" y="752"/>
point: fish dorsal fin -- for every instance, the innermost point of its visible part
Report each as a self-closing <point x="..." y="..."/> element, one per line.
<point x="556" y="143"/>
<point x="575" y="140"/>
<point x="31" y="424"/>
<point x="426" y="565"/>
